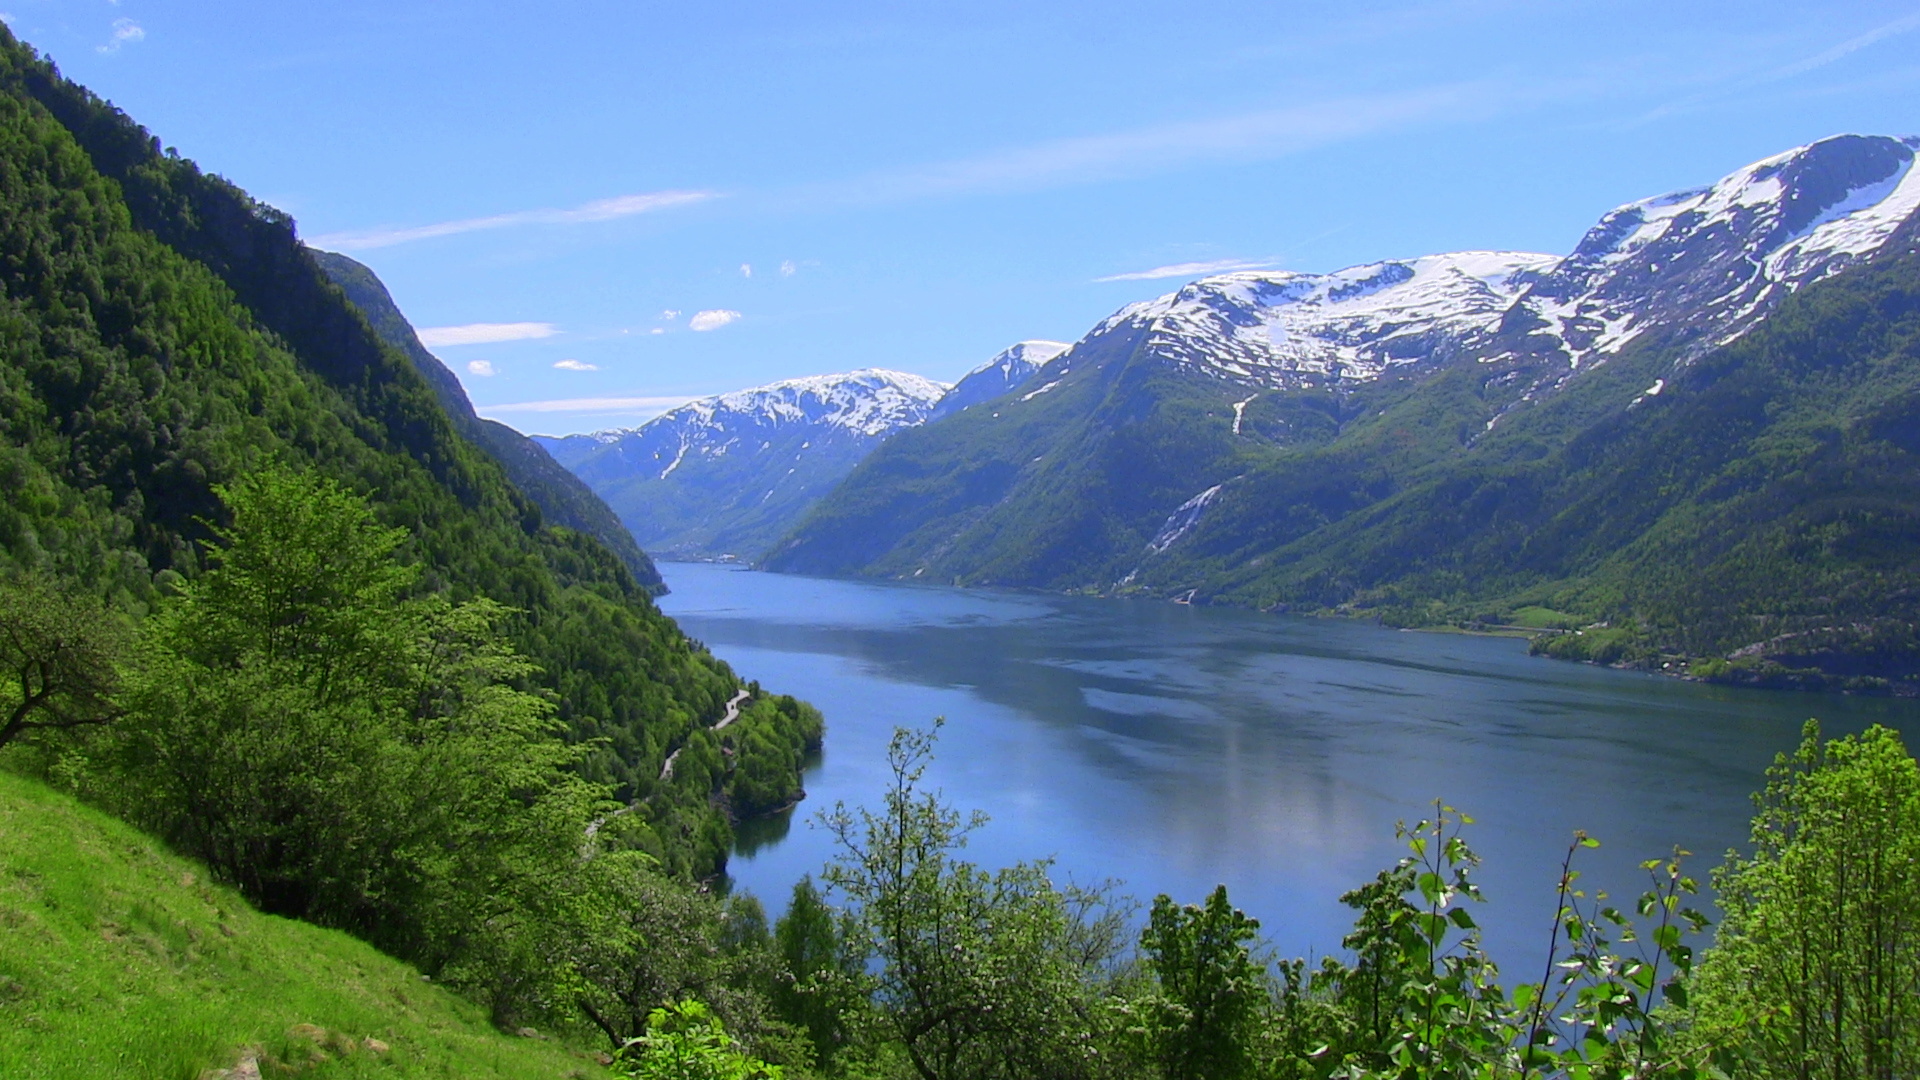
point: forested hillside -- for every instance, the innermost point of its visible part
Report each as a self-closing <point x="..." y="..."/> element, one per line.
<point x="166" y="334"/>
<point x="563" y="499"/>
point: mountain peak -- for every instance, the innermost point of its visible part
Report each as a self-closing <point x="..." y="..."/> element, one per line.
<point x="1009" y="368"/>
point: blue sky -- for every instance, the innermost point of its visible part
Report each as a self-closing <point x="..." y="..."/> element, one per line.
<point x="611" y="207"/>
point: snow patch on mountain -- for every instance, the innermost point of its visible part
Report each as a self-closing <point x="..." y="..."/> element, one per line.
<point x="1702" y="265"/>
<point x="871" y="402"/>
<point x="1287" y="328"/>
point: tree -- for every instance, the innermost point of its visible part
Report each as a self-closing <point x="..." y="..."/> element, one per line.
<point x="1817" y="967"/>
<point x="60" y="652"/>
<point x="685" y="1041"/>
<point x="977" y="974"/>
<point x="352" y="755"/>
<point x="1206" y="1018"/>
<point x="810" y="990"/>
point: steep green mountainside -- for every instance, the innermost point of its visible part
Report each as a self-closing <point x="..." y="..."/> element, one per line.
<point x="1755" y="504"/>
<point x="120" y="960"/>
<point x="165" y="333"/>
<point x="562" y="498"/>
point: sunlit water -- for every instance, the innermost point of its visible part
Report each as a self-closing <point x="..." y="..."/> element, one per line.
<point x="1175" y="748"/>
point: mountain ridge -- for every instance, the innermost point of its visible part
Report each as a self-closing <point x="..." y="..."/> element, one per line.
<point x="725" y="475"/>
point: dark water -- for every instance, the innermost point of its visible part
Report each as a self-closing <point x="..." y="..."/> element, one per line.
<point x="1176" y="748"/>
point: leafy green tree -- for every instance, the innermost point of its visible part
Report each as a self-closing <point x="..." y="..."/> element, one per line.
<point x="352" y="756"/>
<point x="1207" y="1017"/>
<point x="974" y="974"/>
<point x="1817" y="966"/>
<point x="685" y="1041"/>
<point x="656" y="940"/>
<point x="810" y="990"/>
<point x="60" y="656"/>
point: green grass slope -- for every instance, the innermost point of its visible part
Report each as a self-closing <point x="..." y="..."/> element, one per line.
<point x="119" y="961"/>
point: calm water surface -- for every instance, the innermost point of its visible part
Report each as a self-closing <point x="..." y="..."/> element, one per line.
<point x="1177" y="748"/>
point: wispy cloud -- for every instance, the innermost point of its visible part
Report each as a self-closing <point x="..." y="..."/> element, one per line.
<point x="586" y="213"/>
<point x="576" y="365"/>
<point x="483" y="333"/>
<point x="1850" y="46"/>
<point x="483" y="368"/>
<point x="1746" y="84"/>
<point x="589" y="405"/>
<point x="712" y="320"/>
<point x="125" y="32"/>
<point x="746" y="270"/>
<point x="787" y="269"/>
<point x="1188" y="270"/>
<point x="1265" y="134"/>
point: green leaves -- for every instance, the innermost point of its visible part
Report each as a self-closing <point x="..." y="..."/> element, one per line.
<point x="1818" y="961"/>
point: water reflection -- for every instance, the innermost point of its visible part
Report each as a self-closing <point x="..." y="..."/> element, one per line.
<point x="1177" y="748"/>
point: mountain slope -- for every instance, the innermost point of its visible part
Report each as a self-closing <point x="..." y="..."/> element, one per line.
<point x="1450" y="436"/>
<point x="562" y="498"/>
<point x="122" y="960"/>
<point x="165" y="332"/>
<point x="1010" y="368"/>
<point x="728" y="475"/>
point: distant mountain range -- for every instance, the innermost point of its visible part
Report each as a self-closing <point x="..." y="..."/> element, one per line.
<point x="1689" y="429"/>
<point x="727" y="476"/>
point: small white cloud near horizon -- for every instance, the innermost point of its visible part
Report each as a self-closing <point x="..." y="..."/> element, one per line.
<point x="712" y="320"/>
<point x="484" y="333"/>
<point x="1189" y="270"/>
<point x="657" y="330"/>
<point x="576" y="365"/>
<point x="670" y="314"/>
<point x="125" y="32"/>
<point x="482" y="368"/>
<point x="746" y="270"/>
<point x="619" y="206"/>
<point x="787" y="269"/>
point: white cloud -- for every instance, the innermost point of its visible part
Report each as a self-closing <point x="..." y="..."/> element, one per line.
<point x="481" y="367"/>
<point x="575" y="365"/>
<point x="711" y="320"/>
<point x="125" y="32"/>
<point x="787" y="269"/>
<point x="599" y="210"/>
<point x="8" y="18"/>
<point x="482" y="333"/>
<point x="656" y="330"/>
<point x="670" y="314"/>
<point x="746" y="269"/>
<point x="1187" y="270"/>
<point x="599" y="404"/>
<point x="1245" y="136"/>
<point x="1851" y="45"/>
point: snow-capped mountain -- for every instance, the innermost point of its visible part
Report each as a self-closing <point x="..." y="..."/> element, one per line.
<point x="1700" y="266"/>
<point x="1011" y="367"/>
<point x="724" y="474"/>
<point x="1194" y="437"/>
